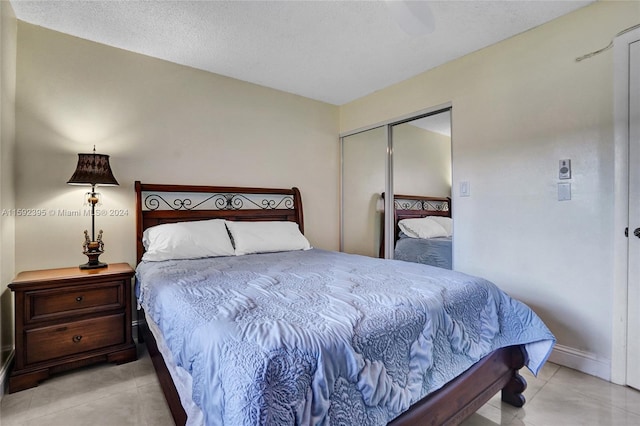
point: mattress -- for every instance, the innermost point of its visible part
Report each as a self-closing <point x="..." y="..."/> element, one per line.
<point x="319" y="337"/>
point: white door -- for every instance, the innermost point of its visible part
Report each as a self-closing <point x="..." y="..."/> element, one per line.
<point x="633" y="324"/>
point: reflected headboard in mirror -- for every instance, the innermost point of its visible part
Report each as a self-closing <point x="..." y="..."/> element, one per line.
<point x="414" y="206"/>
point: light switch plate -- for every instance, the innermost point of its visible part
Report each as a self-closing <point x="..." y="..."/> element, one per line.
<point x="564" y="191"/>
<point x="465" y="189"/>
<point x="564" y="170"/>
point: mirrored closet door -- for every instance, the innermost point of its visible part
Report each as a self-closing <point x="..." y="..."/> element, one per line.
<point x="364" y="156"/>
<point x="410" y="157"/>
<point x="423" y="228"/>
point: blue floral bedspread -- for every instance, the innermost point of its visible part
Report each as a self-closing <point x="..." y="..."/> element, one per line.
<point x="320" y="337"/>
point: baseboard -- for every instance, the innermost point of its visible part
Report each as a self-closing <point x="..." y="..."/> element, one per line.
<point x="585" y="362"/>
<point x="4" y="373"/>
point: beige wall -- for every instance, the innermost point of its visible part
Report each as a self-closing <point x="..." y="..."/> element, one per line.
<point x="518" y="108"/>
<point x="161" y="123"/>
<point x="7" y="195"/>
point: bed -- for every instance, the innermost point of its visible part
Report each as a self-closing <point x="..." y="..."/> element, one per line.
<point x="431" y="244"/>
<point x="208" y="372"/>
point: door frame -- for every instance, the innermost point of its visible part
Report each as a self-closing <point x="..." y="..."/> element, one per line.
<point x="621" y="282"/>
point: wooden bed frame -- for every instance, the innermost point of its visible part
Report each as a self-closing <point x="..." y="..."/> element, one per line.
<point x="450" y="405"/>
<point x="410" y="207"/>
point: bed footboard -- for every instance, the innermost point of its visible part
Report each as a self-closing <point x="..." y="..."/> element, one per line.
<point x="464" y="395"/>
<point x="512" y="392"/>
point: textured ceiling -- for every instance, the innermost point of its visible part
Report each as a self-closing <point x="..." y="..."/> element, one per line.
<point x="332" y="51"/>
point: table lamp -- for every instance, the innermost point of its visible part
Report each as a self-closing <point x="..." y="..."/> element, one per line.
<point x="93" y="169"/>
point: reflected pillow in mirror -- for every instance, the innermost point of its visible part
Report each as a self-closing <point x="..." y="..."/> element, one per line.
<point x="445" y="222"/>
<point x="266" y="237"/>
<point x="423" y="227"/>
<point x="187" y="240"/>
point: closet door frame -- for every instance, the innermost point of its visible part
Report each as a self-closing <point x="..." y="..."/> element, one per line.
<point x="388" y="189"/>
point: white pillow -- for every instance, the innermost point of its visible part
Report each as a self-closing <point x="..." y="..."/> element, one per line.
<point x="265" y="237"/>
<point x="187" y="240"/>
<point x="422" y="227"/>
<point x="445" y="222"/>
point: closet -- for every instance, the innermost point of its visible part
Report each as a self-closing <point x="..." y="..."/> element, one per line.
<point x="406" y="155"/>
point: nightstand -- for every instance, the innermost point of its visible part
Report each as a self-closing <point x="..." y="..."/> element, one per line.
<point x="67" y="318"/>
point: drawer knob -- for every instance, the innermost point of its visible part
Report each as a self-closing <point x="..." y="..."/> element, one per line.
<point x="77" y="338"/>
<point x="79" y="299"/>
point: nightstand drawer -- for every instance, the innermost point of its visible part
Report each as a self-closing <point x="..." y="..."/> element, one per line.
<point x="56" y="341"/>
<point x="74" y="300"/>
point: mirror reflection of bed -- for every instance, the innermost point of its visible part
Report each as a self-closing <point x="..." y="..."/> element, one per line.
<point x="423" y="230"/>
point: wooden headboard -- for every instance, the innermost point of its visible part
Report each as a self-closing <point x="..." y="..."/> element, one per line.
<point x="157" y="204"/>
<point x="414" y="206"/>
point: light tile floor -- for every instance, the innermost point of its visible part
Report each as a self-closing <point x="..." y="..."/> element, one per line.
<point x="129" y="394"/>
<point x="562" y="396"/>
<point x="102" y="394"/>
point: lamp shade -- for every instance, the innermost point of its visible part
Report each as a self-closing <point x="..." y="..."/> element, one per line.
<point x="93" y="169"/>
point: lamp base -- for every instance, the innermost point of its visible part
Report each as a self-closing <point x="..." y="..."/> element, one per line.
<point x="93" y="250"/>
<point x="90" y="265"/>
